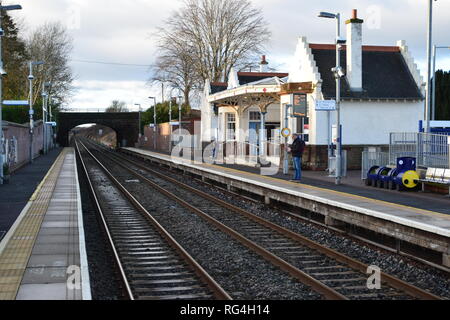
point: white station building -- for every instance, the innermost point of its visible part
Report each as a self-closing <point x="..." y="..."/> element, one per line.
<point x="382" y="92"/>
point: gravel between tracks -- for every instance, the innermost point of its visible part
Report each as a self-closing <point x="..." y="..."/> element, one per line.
<point x="420" y="275"/>
<point x="243" y="274"/>
<point x="103" y="279"/>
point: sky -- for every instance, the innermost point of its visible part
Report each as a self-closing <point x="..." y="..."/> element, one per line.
<point x="123" y="32"/>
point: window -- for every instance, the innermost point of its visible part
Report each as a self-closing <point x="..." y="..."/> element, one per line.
<point x="255" y="116"/>
<point x="231" y="126"/>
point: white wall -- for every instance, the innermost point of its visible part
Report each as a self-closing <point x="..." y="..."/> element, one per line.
<point x="370" y="123"/>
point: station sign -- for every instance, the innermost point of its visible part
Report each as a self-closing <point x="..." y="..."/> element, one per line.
<point x="325" y="105"/>
<point x="51" y="123"/>
<point x="300" y="105"/>
<point x="175" y="123"/>
<point x="15" y="102"/>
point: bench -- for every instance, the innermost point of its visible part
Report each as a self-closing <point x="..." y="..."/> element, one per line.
<point x="436" y="176"/>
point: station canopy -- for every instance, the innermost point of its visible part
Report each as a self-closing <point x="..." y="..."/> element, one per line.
<point x="261" y="93"/>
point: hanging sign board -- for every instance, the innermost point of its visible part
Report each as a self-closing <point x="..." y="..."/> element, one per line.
<point x="15" y="102"/>
<point x="300" y="105"/>
<point x="325" y="105"/>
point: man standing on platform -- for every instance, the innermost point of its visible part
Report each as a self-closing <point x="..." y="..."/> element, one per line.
<point x="297" y="148"/>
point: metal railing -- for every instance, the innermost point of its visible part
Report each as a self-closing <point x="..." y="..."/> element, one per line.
<point x="370" y="159"/>
<point x="430" y="150"/>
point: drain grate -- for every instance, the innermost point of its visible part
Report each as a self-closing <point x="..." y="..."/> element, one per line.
<point x="2" y="234"/>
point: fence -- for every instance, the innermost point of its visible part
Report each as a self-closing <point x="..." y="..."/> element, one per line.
<point x="370" y="159"/>
<point x="430" y="150"/>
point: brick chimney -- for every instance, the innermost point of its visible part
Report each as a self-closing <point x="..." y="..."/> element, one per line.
<point x="263" y="64"/>
<point x="354" y="52"/>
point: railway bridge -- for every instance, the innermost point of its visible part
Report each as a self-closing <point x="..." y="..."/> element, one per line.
<point x="126" y="125"/>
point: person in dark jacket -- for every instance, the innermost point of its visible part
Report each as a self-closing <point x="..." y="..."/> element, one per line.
<point x="297" y="148"/>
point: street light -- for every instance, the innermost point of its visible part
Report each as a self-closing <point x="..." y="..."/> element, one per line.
<point x="339" y="73"/>
<point x="44" y="114"/>
<point x="154" y="123"/>
<point x="31" y="112"/>
<point x="433" y="108"/>
<point x="179" y="111"/>
<point x="429" y="49"/>
<point x="2" y="73"/>
<point x="140" y="133"/>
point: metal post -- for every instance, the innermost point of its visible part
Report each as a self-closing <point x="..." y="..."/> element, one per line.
<point x="170" y="123"/>
<point x="429" y="49"/>
<point x="286" y="155"/>
<point x="43" y="117"/>
<point x="31" y="111"/>
<point x="433" y="108"/>
<point x="179" y="112"/>
<point x="262" y="132"/>
<point x="338" y="102"/>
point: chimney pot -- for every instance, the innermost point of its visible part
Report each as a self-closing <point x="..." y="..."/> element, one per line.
<point x="355" y="14"/>
<point x="263" y="64"/>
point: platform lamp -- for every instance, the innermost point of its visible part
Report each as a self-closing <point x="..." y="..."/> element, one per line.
<point x="2" y="73"/>
<point x="140" y="133"/>
<point x="339" y="73"/>
<point x="31" y="112"/>
<point x="154" y="122"/>
<point x="45" y="87"/>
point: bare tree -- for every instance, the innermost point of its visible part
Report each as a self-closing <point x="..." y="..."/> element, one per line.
<point x="206" y="38"/>
<point x="52" y="44"/>
<point x="117" y="106"/>
<point x="175" y="67"/>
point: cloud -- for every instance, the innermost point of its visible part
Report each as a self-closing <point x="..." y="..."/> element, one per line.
<point x="119" y="31"/>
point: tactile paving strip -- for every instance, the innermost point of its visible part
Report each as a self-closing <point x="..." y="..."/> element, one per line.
<point x="16" y="253"/>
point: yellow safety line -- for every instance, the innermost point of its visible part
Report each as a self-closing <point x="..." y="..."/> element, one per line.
<point x="17" y="251"/>
<point x="382" y="202"/>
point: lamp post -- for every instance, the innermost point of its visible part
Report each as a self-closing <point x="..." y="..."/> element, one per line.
<point x="140" y="132"/>
<point x="2" y="73"/>
<point x="338" y="72"/>
<point x="154" y="122"/>
<point x="429" y="52"/>
<point x="433" y="108"/>
<point x="180" y="102"/>
<point x="44" y="114"/>
<point x="31" y="112"/>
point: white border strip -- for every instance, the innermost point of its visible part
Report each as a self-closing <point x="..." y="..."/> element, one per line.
<point x="369" y="212"/>
<point x="85" y="283"/>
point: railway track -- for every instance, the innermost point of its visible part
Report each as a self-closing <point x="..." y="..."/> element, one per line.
<point x="151" y="264"/>
<point x="328" y="272"/>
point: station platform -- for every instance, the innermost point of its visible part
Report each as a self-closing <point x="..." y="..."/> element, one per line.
<point x="420" y="219"/>
<point x="43" y="255"/>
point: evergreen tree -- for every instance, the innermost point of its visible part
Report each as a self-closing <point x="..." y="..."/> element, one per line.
<point x="15" y="59"/>
<point x="443" y="95"/>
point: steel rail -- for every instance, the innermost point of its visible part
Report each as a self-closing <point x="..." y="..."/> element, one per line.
<point x="353" y="263"/>
<point x="217" y="290"/>
<point x="99" y="210"/>
<point x="302" y="276"/>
